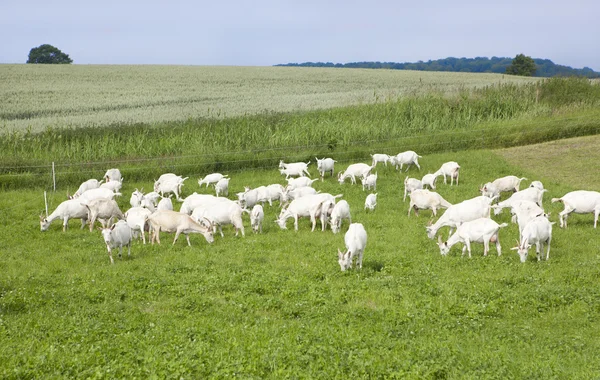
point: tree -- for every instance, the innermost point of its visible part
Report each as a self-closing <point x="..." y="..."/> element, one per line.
<point x="48" y="54"/>
<point x="522" y="65"/>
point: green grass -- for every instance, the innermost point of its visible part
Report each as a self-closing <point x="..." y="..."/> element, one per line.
<point x="276" y="305"/>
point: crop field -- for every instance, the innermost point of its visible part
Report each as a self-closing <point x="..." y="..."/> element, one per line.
<point x="35" y="97"/>
<point x="276" y="304"/>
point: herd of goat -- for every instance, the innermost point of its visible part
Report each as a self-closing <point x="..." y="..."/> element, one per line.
<point x="204" y="213"/>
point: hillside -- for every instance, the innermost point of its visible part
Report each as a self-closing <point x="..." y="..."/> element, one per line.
<point x="545" y="67"/>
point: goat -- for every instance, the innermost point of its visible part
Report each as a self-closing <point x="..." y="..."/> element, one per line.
<point x="87" y="185"/>
<point x="136" y="218"/>
<point x="371" y="202"/>
<point x="173" y="221"/>
<point x="379" y="157"/>
<point x="421" y="199"/>
<point x="370" y="182"/>
<point x="295" y="183"/>
<point x="113" y="175"/>
<point x="538" y="231"/>
<point x="482" y="230"/>
<point x="429" y="180"/>
<point x="136" y="198"/>
<point x="301" y="167"/>
<point x="115" y="186"/>
<point x="407" y="158"/>
<point x="450" y="169"/>
<point x="325" y="165"/>
<point x="103" y="209"/>
<point x="165" y="204"/>
<point x="221" y="213"/>
<point x="98" y="193"/>
<point x="307" y="206"/>
<point x="579" y="202"/>
<point x="257" y="215"/>
<point x="222" y="187"/>
<point x="292" y="172"/>
<point x="537" y="185"/>
<point x="250" y="197"/>
<point x="504" y="184"/>
<point x="355" y="170"/>
<point x="465" y="211"/>
<point x="340" y="211"/>
<point x="411" y="184"/>
<point x="166" y="177"/>
<point x="198" y="200"/>
<point x="171" y="186"/>
<point x="70" y="209"/>
<point x="529" y="194"/>
<point x="355" y="241"/>
<point x="272" y="193"/>
<point x="524" y="212"/>
<point x="298" y="193"/>
<point x="211" y="178"/>
<point x="119" y="235"/>
<point x="325" y="212"/>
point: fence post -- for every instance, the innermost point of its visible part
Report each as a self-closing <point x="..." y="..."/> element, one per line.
<point x="46" y="202"/>
<point x="53" y="179"/>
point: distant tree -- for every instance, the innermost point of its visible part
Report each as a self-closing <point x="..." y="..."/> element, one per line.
<point x="48" y="54"/>
<point x="522" y="65"/>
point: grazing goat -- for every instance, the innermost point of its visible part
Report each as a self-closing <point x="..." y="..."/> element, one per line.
<point x="165" y="204"/>
<point x="504" y="184"/>
<point x="272" y="193"/>
<point x="524" y="212"/>
<point x="370" y="182"/>
<point x="220" y="214"/>
<point x="371" y="202"/>
<point x="355" y="170"/>
<point x="529" y="194"/>
<point x="104" y="210"/>
<point x="136" y="198"/>
<point x="579" y="202"/>
<point x="298" y="193"/>
<point x="307" y="206"/>
<point x="411" y="184"/>
<point x="340" y="211"/>
<point x="172" y="221"/>
<point x="325" y="165"/>
<point x="113" y="175"/>
<point x="429" y="180"/>
<point x="166" y="177"/>
<point x="295" y="183"/>
<point x="171" y="186"/>
<point x="87" y="185"/>
<point x="538" y="231"/>
<point x="257" y="215"/>
<point x="222" y="187"/>
<point x="379" y="157"/>
<point x="211" y="178"/>
<point x="119" y="235"/>
<point x="199" y="200"/>
<point x="136" y="218"/>
<point x="465" y="211"/>
<point x="421" y="199"/>
<point x="482" y="230"/>
<point x="407" y="158"/>
<point x="70" y="209"/>
<point x="250" y="197"/>
<point x="356" y="241"/>
<point x="299" y="167"/>
<point x="450" y="169"/>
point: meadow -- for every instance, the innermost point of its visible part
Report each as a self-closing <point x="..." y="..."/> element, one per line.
<point x="276" y="305"/>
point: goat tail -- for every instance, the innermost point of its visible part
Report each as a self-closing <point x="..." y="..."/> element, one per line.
<point x="503" y="225"/>
<point x="522" y="179"/>
<point x="338" y="196"/>
<point x="118" y="194"/>
<point x="554" y="200"/>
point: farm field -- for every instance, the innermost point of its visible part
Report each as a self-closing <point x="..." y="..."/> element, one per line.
<point x="276" y="305"/>
<point x="35" y="97"/>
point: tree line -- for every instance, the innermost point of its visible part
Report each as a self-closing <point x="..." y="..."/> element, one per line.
<point x="543" y="67"/>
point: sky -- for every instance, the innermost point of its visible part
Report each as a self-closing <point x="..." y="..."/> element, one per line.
<point x="268" y="32"/>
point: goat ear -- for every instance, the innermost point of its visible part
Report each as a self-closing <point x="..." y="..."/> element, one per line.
<point x="340" y="254"/>
<point x="514" y="249"/>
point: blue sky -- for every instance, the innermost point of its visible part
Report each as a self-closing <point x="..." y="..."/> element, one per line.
<point x="267" y="32"/>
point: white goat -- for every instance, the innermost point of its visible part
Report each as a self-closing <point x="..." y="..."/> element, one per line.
<point x="537" y="184"/>
<point x="171" y="186"/>
<point x="295" y="167"/>
<point x="379" y="157"/>
<point x="98" y="193"/>
<point x="370" y="182"/>
<point x="307" y="206"/>
<point x="172" y="221"/>
<point x="524" y="212"/>
<point x="538" y="231"/>
<point x="450" y="169"/>
<point x="355" y="170"/>
<point x="166" y="177"/>
<point x="429" y="180"/>
<point x="465" y="211"/>
<point x="356" y="241"/>
<point x="410" y="185"/>
<point x="295" y="183"/>
<point x="298" y="193"/>
<point x="325" y="213"/>
<point x="421" y="199"/>
<point x="70" y="209"/>
<point x="119" y="235"/>
<point x="222" y="187"/>
<point x="504" y="184"/>
<point x="292" y="172"/>
<point x="113" y="175"/>
<point x="340" y="211"/>
<point x="579" y="202"/>
<point x="199" y="200"/>
<point x="220" y="214"/>
<point x="482" y="230"/>
<point x="104" y="210"/>
<point x="272" y="193"/>
<point x="325" y="165"/>
<point x="211" y="178"/>
<point x="136" y="218"/>
<point x="115" y="186"/>
<point x="136" y="198"/>
<point x="406" y="158"/>
<point x="151" y="197"/>
<point x="257" y="215"/>
<point x="165" y="204"/>
<point x="529" y="194"/>
<point x="250" y="197"/>
<point x="371" y="202"/>
<point x="87" y="185"/>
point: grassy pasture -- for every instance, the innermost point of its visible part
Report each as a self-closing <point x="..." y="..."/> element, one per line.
<point x="276" y="305"/>
<point x="41" y="96"/>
